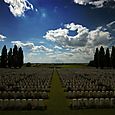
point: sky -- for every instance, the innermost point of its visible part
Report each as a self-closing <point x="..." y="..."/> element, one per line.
<point x="57" y="31"/>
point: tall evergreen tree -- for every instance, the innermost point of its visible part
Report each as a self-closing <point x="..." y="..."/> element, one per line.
<point x="10" y="60"/>
<point x="107" y="58"/>
<point x="96" y="58"/>
<point x="4" y="57"/>
<point x="15" y="56"/>
<point x="91" y="63"/>
<point x="101" y="57"/>
<point x="20" y="57"/>
<point x="113" y="57"/>
<point x="0" y="61"/>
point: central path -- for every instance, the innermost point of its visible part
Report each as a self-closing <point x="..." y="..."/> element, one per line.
<point x="57" y="100"/>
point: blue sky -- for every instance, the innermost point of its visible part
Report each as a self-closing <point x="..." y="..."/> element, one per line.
<point x="52" y="31"/>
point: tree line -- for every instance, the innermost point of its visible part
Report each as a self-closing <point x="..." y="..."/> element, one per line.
<point x="14" y="57"/>
<point x="103" y="58"/>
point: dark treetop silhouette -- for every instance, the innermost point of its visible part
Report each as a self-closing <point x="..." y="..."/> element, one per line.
<point x="102" y="59"/>
<point x="12" y="59"/>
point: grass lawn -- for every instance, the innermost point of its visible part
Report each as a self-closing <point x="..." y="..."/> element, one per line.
<point x="58" y="104"/>
<point x="73" y="66"/>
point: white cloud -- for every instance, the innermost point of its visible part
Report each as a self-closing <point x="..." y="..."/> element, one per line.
<point x="80" y="46"/>
<point x="40" y="48"/>
<point x="68" y="49"/>
<point x="99" y="3"/>
<point x="61" y="37"/>
<point x="57" y="47"/>
<point x="80" y="38"/>
<point x="98" y="37"/>
<point x="84" y="52"/>
<point x="83" y="36"/>
<point x="96" y="3"/>
<point x="41" y="42"/>
<point x="18" y="7"/>
<point x="82" y="2"/>
<point x="73" y="27"/>
<point x="53" y="34"/>
<point x="2" y="37"/>
<point x="111" y="25"/>
<point x="32" y="46"/>
<point x="21" y="44"/>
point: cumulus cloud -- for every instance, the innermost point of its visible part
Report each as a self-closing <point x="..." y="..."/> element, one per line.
<point x="53" y="34"/>
<point x="31" y="46"/>
<point x="82" y="44"/>
<point x="97" y="3"/>
<point x="82" y="2"/>
<point x="98" y="37"/>
<point x="83" y="36"/>
<point x="80" y="38"/>
<point x="73" y="27"/>
<point x="18" y="7"/>
<point x="2" y="37"/>
<point x="41" y="48"/>
<point x="61" y="37"/>
<point x="68" y="57"/>
<point x="85" y="52"/>
<point x="76" y="48"/>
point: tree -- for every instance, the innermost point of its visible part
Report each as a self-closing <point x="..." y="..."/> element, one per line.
<point x="13" y="59"/>
<point x="96" y="58"/>
<point x="10" y="60"/>
<point x="4" y="57"/>
<point x="28" y="64"/>
<point x="91" y="63"/>
<point x="15" y="56"/>
<point x="20" y="57"/>
<point x="101" y="57"/>
<point x="107" y="58"/>
<point x="113" y="57"/>
<point x="0" y="61"/>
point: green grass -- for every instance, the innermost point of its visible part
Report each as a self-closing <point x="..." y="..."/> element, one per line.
<point x="73" y="66"/>
<point x="58" y="104"/>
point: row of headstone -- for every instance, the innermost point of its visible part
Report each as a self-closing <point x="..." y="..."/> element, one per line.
<point x="22" y="104"/>
<point x="92" y="103"/>
<point x="90" y="94"/>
